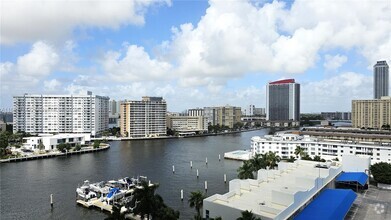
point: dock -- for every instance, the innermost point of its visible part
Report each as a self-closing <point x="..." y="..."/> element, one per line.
<point x="241" y="155"/>
<point x="50" y="155"/>
<point x="96" y="203"/>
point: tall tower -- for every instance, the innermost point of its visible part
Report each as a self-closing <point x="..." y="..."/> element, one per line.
<point x="380" y="79"/>
<point x="283" y="100"/>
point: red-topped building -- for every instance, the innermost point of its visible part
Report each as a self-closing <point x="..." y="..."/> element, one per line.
<point x="283" y="100"/>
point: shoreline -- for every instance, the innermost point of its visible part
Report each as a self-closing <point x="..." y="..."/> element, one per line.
<point x="51" y="155"/>
<point x="173" y="137"/>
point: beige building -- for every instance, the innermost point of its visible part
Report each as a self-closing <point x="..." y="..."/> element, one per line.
<point x="186" y="123"/>
<point x="145" y="118"/>
<point x="225" y="115"/>
<point x="371" y="113"/>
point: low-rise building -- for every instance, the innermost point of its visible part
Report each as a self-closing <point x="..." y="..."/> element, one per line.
<point x="50" y="142"/>
<point x="275" y="194"/>
<point x="187" y="123"/>
<point x="284" y="145"/>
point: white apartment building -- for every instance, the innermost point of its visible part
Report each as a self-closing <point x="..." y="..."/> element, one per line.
<point x="50" y="142"/>
<point x="61" y="113"/>
<point x="186" y="123"/>
<point x="275" y="194"/>
<point x="145" y="118"/>
<point x="195" y="112"/>
<point x="284" y="145"/>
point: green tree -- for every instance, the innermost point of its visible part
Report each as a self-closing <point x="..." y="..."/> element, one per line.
<point x="62" y="147"/>
<point x="146" y="200"/>
<point x="97" y="143"/>
<point x="77" y="147"/>
<point x="272" y="159"/>
<point x="246" y="171"/>
<point x="381" y="172"/>
<point x="299" y="151"/>
<point x="291" y="159"/>
<point x="116" y="214"/>
<point x="195" y="201"/>
<point x="162" y="211"/>
<point x="258" y="162"/>
<point x="41" y="146"/>
<point x="248" y="215"/>
<point x="4" y="141"/>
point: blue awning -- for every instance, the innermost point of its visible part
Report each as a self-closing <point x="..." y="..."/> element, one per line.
<point x="359" y="177"/>
<point x="330" y="204"/>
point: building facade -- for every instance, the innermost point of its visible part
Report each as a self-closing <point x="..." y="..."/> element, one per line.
<point x="50" y="142"/>
<point x="283" y="100"/>
<point x="61" y="113"/>
<point x="284" y="145"/>
<point x="195" y="112"/>
<point x="380" y="79"/>
<point x="223" y="116"/>
<point x="186" y="123"/>
<point x="337" y="115"/>
<point x="374" y="113"/>
<point x="145" y="118"/>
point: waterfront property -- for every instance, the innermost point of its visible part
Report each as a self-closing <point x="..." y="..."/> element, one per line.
<point x="283" y="100"/>
<point x="61" y="113"/>
<point x="275" y="194"/>
<point x="187" y="123"/>
<point x="223" y="115"/>
<point x="284" y="145"/>
<point x="375" y="113"/>
<point x="145" y="118"/>
<point x="50" y="141"/>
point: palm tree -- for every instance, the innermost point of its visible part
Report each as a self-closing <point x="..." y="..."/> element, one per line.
<point x="246" y="170"/>
<point x="248" y="215"/>
<point x="299" y="151"/>
<point x="196" y="200"/>
<point x="272" y="159"/>
<point x="145" y="199"/>
<point x="258" y="162"/>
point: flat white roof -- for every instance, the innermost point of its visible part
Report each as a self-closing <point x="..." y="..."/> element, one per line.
<point x="277" y="194"/>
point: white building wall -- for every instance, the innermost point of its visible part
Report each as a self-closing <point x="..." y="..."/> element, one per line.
<point x="326" y="149"/>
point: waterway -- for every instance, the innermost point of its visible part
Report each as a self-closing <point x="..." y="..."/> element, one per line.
<point x="26" y="186"/>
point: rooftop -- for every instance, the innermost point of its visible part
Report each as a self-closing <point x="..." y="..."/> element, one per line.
<point x="278" y="193"/>
<point x="283" y="81"/>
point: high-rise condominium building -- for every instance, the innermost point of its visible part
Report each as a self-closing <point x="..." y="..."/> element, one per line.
<point x="145" y="118"/>
<point x="225" y="115"/>
<point x="283" y="100"/>
<point x="380" y="79"/>
<point x="61" y="113"/>
<point x="374" y="113"/>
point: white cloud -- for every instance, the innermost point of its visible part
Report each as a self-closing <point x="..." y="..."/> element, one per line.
<point x="39" y="61"/>
<point x="334" y="62"/>
<point x="51" y="85"/>
<point x="336" y="93"/>
<point x="236" y="37"/>
<point x="134" y="65"/>
<point x="31" y="20"/>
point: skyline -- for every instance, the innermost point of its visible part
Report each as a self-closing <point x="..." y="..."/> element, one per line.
<point x="194" y="53"/>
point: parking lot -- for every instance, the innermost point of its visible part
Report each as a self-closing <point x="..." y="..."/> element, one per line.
<point x="374" y="204"/>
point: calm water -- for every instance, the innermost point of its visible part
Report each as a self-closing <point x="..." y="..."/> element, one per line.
<point x="26" y="186"/>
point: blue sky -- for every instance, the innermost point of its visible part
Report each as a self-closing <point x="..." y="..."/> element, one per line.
<point x="194" y="53"/>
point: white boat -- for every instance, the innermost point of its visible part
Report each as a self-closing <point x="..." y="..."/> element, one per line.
<point x="85" y="192"/>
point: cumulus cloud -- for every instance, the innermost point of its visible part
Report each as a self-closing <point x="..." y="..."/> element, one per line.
<point x="31" y="20"/>
<point x="334" y="62"/>
<point x="335" y="93"/>
<point x="134" y="65"/>
<point x="238" y="37"/>
<point x="39" y="61"/>
<point x="51" y="85"/>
